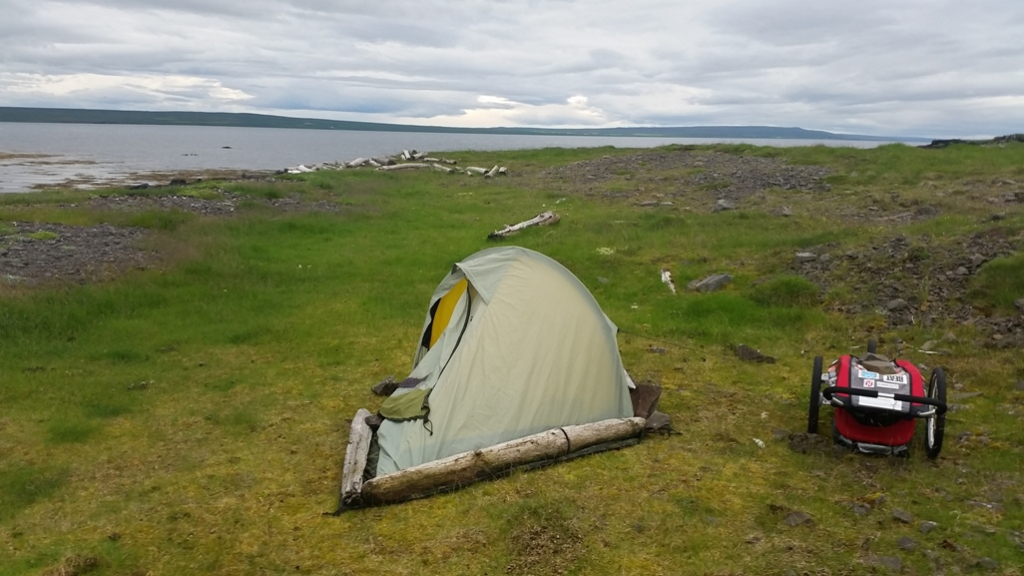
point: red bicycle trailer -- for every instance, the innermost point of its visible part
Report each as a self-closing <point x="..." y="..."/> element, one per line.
<point x="877" y="401"/>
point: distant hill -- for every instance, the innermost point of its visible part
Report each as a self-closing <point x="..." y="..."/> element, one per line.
<point x="73" y="116"/>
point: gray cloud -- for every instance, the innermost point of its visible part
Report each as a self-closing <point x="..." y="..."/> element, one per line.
<point x="918" y="67"/>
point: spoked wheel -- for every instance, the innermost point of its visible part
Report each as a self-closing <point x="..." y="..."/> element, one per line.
<point x="815" y="404"/>
<point x="872" y="346"/>
<point x="935" y="425"/>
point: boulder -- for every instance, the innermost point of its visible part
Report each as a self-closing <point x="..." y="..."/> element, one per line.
<point x="710" y="284"/>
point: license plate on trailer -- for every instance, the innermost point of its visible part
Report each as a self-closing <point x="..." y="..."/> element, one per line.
<point x="880" y="402"/>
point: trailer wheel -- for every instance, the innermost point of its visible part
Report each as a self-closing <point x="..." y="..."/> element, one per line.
<point x="935" y="425"/>
<point x="815" y="404"/>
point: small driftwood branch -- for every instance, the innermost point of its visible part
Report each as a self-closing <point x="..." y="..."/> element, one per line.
<point x="542" y="219"/>
<point x="406" y="166"/>
<point x="468" y="467"/>
<point x="491" y="172"/>
<point x="476" y="169"/>
<point x="444" y="169"/>
<point x="355" y="458"/>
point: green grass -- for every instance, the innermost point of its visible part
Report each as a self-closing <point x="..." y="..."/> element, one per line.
<point x="43" y="235"/>
<point x="999" y="284"/>
<point x="199" y="411"/>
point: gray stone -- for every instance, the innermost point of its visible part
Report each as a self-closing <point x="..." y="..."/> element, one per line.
<point x="896" y="304"/>
<point x="860" y="509"/>
<point x="780" y="434"/>
<point x="1019" y="303"/>
<point x="784" y="211"/>
<point x="891" y="563"/>
<point x="929" y="345"/>
<point x="907" y="543"/>
<point x="902" y="516"/>
<point x="927" y="211"/>
<point x="710" y="284"/>
<point x="602" y="279"/>
<point x="962" y="271"/>
<point x="748" y="354"/>
<point x="797" y="518"/>
<point x="987" y="563"/>
<point x="806" y="256"/>
<point x="723" y="205"/>
<point x="927" y="526"/>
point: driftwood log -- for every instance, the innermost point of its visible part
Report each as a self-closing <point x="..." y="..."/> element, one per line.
<point x="461" y="469"/>
<point x="406" y="166"/>
<point x="355" y="458"/>
<point x="542" y="219"/>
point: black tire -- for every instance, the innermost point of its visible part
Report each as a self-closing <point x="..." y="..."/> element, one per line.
<point x="815" y="404"/>
<point x="872" y="346"/>
<point x="935" y="425"/>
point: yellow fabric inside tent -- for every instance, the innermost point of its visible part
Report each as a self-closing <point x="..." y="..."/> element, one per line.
<point x="445" y="307"/>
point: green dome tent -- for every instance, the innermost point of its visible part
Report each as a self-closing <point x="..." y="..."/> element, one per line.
<point x="513" y="346"/>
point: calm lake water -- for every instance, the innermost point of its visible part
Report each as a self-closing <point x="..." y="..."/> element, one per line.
<point x="91" y="155"/>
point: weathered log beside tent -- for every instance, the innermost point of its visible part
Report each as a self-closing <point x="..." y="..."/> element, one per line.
<point x="516" y="366"/>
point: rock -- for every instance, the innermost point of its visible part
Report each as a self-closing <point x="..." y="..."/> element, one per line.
<point x="891" y="563"/>
<point x="928" y="346"/>
<point x="748" y="354"/>
<point x="784" y="211"/>
<point x="987" y="564"/>
<point x="178" y="182"/>
<point x="895" y="304"/>
<point x="1019" y="303"/>
<point x="602" y="279"/>
<point x="710" y="284"/>
<point x="907" y="543"/>
<point x="657" y="350"/>
<point x="860" y="509"/>
<point x="902" y="516"/>
<point x="646" y="203"/>
<point x="723" y="205"/>
<point x="385" y="387"/>
<point x="927" y="526"/>
<point x="806" y="256"/>
<point x="962" y="271"/>
<point x="780" y="434"/>
<point x="926" y="211"/>
<point x="1020" y="386"/>
<point x="997" y="217"/>
<point x="797" y="518"/>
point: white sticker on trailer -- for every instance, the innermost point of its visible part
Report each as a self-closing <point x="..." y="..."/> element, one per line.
<point x="882" y="402"/>
<point x="895" y="378"/>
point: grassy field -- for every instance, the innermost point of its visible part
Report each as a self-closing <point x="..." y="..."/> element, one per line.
<point x="191" y="418"/>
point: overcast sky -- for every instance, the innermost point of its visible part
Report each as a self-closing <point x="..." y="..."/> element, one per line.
<point x="934" y="68"/>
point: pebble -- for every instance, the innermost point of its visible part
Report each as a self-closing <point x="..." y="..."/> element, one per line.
<point x="907" y="543"/>
<point x="796" y="518"/>
<point x="927" y="526"/>
<point x="902" y="516"/>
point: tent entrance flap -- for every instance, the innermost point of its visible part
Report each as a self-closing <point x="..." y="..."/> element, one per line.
<point x="441" y="313"/>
